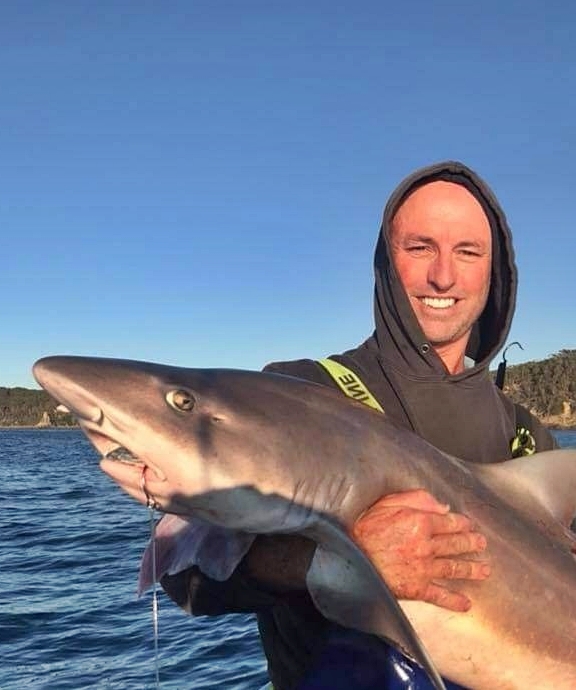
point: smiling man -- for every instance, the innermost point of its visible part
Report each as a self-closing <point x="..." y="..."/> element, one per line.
<point x="445" y="290"/>
<point x="442" y="250"/>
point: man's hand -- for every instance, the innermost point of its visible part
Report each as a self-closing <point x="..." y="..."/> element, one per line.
<point x="414" y="542"/>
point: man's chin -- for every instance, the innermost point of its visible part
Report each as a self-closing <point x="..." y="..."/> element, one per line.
<point x="440" y="338"/>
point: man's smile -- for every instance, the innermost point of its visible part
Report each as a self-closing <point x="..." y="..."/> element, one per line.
<point x="438" y="302"/>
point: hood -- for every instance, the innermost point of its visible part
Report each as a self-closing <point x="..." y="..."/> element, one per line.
<point x="400" y="340"/>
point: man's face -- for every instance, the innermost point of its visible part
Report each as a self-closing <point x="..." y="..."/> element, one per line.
<point x="442" y="250"/>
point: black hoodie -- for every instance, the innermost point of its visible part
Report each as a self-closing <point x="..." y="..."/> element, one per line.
<point x="465" y="414"/>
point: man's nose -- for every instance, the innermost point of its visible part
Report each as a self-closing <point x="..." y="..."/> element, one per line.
<point x="442" y="272"/>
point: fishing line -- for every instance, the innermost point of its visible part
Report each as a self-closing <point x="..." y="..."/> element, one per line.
<point x="154" y="592"/>
<point x="151" y="505"/>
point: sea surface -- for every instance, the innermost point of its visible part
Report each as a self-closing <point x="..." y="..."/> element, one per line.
<point x="70" y="546"/>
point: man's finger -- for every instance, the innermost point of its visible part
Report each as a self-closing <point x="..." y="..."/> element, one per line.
<point x="458" y="544"/>
<point x="418" y="499"/>
<point x="452" y="569"/>
<point x="450" y="523"/>
<point x="454" y="601"/>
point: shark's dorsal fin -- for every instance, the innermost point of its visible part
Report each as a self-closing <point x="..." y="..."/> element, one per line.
<point x="548" y="477"/>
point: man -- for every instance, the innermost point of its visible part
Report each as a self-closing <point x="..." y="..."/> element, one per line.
<point x="444" y="300"/>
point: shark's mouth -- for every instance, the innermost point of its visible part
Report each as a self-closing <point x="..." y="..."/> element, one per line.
<point x="109" y="448"/>
<point x="121" y="454"/>
<point x="117" y="452"/>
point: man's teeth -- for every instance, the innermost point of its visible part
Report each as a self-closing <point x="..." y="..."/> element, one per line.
<point x="439" y="302"/>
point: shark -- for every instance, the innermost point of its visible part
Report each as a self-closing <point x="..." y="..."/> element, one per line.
<point x="239" y="453"/>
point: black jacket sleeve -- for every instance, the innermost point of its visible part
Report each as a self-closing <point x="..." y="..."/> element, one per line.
<point x="199" y="595"/>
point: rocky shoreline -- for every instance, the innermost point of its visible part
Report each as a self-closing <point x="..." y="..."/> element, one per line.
<point x="560" y="422"/>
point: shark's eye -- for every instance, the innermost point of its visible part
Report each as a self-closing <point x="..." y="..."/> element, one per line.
<point x="181" y="400"/>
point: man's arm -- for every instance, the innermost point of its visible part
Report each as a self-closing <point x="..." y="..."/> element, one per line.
<point x="413" y="541"/>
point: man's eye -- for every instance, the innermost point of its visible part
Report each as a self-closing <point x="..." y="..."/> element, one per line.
<point x="470" y="253"/>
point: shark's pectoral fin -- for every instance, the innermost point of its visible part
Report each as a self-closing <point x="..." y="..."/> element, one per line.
<point x="182" y="542"/>
<point x="548" y="477"/>
<point x="348" y="590"/>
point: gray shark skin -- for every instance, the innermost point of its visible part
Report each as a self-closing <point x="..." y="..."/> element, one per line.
<point x="263" y="453"/>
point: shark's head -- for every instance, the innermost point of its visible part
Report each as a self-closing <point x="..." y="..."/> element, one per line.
<point x="186" y="431"/>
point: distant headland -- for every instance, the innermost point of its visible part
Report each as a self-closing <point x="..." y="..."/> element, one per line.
<point x="546" y="387"/>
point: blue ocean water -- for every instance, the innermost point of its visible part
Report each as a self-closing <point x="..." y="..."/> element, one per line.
<point x="70" y="545"/>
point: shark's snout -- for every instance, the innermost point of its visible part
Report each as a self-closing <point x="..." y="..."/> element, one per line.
<point x="56" y="376"/>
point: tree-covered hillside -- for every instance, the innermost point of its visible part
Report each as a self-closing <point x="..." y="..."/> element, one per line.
<point x="25" y="407"/>
<point x="547" y="387"/>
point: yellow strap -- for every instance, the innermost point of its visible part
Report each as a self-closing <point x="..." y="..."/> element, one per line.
<point x="350" y="383"/>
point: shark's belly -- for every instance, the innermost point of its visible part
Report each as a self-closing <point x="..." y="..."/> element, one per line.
<point x="478" y="653"/>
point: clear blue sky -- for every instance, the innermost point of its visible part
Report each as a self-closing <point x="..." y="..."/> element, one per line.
<point x="201" y="182"/>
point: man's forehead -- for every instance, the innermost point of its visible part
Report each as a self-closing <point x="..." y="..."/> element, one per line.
<point x="440" y="191"/>
<point x="441" y="201"/>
